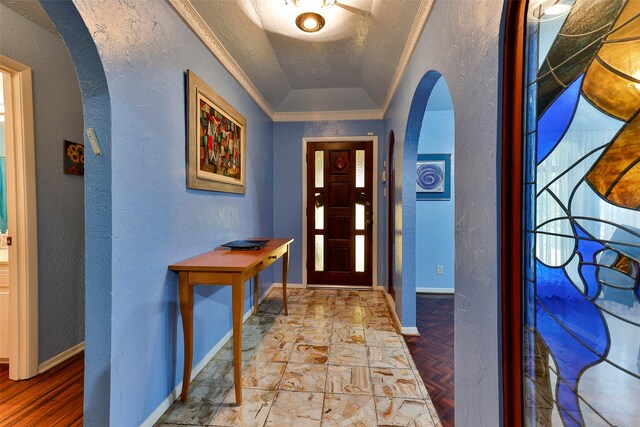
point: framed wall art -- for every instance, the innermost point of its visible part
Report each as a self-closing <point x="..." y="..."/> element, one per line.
<point x="73" y="158"/>
<point x="433" y="177"/>
<point x="216" y="141"/>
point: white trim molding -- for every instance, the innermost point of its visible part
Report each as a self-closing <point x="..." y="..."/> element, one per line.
<point x="412" y="40"/>
<point x="62" y="357"/>
<point x="289" y="285"/>
<point x="197" y="24"/>
<point x="404" y="330"/>
<point x="411" y="330"/>
<point x="374" y="141"/>
<point x="23" y="224"/>
<point x="444" y="291"/>
<point x="175" y="393"/>
<point x="319" y="116"/>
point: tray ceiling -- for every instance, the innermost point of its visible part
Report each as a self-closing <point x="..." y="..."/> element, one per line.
<point x="348" y="65"/>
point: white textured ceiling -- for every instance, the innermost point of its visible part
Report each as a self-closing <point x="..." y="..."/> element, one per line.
<point x="348" y="65"/>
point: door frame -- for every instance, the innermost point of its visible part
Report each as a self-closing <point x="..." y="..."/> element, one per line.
<point x="511" y="279"/>
<point x="391" y="214"/>
<point x="22" y="219"/>
<point x="374" y="255"/>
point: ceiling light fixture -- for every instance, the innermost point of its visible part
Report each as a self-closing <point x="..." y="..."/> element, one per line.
<point x="546" y="10"/>
<point x="310" y="22"/>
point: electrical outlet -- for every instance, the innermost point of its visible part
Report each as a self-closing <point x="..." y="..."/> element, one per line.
<point x="440" y="269"/>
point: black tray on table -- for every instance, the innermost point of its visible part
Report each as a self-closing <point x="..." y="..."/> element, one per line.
<point x="246" y="245"/>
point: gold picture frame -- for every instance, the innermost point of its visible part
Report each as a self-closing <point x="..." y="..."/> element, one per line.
<point x="216" y="141"/>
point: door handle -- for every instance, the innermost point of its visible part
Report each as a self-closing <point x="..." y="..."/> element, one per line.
<point x="368" y="222"/>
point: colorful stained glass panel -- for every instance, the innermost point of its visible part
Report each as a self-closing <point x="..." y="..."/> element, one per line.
<point x="581" y="289"/>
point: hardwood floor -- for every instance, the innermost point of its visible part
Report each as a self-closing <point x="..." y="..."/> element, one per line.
<point x="433" y="351"/>
<point x="54" y="398"/>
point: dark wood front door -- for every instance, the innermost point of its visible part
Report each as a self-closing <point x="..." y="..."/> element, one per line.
<point x="339" y="213"/>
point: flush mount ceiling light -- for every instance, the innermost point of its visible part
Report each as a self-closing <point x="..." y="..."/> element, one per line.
<point x="310" y="22"/>
<point x="546" y="10"/>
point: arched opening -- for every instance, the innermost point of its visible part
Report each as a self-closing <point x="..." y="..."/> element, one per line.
<point x="97" y="208"/>
<point x="435" y="210"/>
<point x="404" y="263"/>
<point x="429" y="150"/>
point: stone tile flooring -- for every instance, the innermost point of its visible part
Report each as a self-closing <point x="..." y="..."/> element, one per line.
<point x="336" y="360"/>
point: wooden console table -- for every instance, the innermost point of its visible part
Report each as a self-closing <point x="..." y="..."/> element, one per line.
<point x="222" y="267"/>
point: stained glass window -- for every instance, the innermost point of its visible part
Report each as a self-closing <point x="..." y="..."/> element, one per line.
<point x="582" y="213"/>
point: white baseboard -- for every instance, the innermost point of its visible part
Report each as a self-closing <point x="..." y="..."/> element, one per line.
<point x="56" y="360"/>
<point x="290" y="285"/>
<point x="173" y="396"/>
<point x="412" y="330"/>
<point x="447" y="291"/>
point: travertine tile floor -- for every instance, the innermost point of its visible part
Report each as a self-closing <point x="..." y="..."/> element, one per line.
<point x="336" y="360"/>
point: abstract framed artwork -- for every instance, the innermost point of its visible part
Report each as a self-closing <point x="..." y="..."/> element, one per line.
<point x="216" y="141"/>
<point x="73" y="158"/>
<point x="433" y="177"/>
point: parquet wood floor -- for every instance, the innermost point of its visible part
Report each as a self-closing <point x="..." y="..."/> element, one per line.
<point x="54" y="398"/>
<point x="433" y="351"/>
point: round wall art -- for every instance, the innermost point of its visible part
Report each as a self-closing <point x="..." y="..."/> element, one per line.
<point x="432" y="176"/>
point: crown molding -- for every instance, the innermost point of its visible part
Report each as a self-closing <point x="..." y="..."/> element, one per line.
<point x="412" y="40"/>
<point x="197" y="24"/>
<point x="319" y="116"/>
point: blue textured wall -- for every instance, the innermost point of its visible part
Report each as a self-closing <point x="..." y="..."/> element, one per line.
<point x="461" y="41"/>
<point x="60" y="198"/>
<point x="287" y="181"/>
<point x="435" y="218"/>
<point x="145" y="49"/>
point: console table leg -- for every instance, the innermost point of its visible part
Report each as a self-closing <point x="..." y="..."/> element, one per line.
<point x="256" y="292"/>
<point x="186" y="309"/>
<point x="237" y="301"/>
<point x="285" y="272"/>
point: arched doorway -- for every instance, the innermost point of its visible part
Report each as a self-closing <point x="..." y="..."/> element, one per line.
<point x="404" y="263"/>
<point x="435" y="198"/>
<point x="97" y="185"/>
<point x="434" y="252"/>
